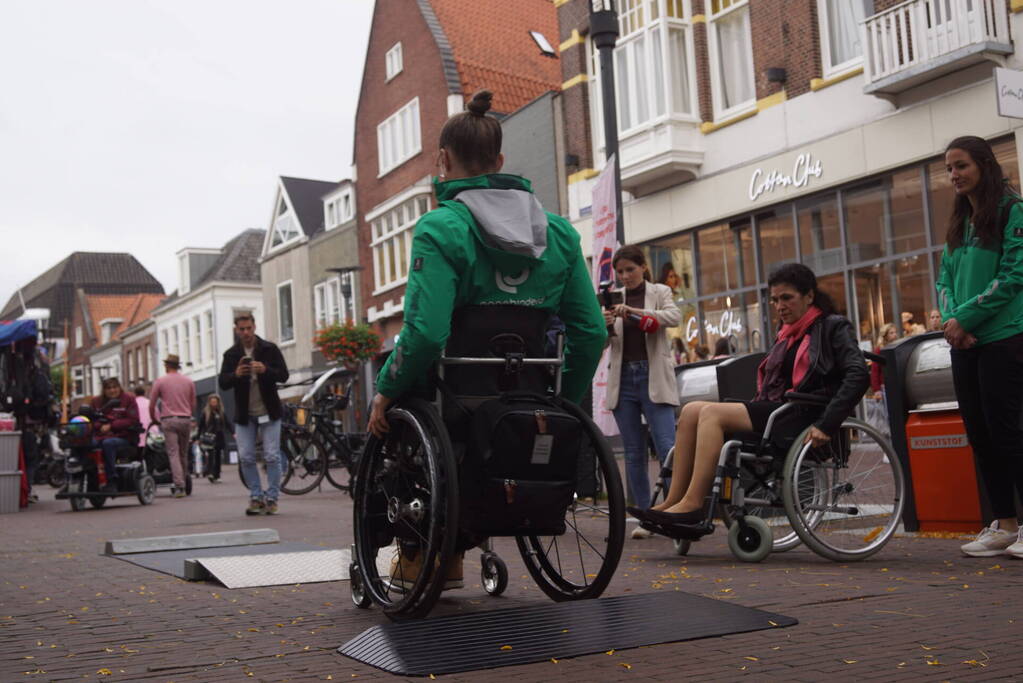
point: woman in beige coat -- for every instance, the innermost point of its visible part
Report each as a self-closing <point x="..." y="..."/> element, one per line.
<point x="641" y="381"/>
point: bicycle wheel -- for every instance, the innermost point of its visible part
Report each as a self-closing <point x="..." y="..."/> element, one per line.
<point x="844" y="499"/>
<point x="579" y="564"/>
<point x="342" y="463"/>
<point x="307" y="463"/>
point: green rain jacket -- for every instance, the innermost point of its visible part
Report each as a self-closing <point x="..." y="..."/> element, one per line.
<point x="980" y="286"/>
<point x="490" y="242"/>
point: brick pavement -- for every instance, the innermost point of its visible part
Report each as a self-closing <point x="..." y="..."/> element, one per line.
<point x="917" y="611"/>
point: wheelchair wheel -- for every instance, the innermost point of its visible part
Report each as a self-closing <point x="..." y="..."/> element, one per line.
<point x="765" y="484"/>
<point x="844" y="499"/>
<point x="579" y="564"/>
<point x="752" y="543"/>
<point x="681" y="546"/>
<point x="493" y="574"/>
<point x="359" y="596"/>
<point x="406" y="492"/>
<point x="145" y="489"/>
<point x="97" y="501"/>
<point x="77" y="484"/>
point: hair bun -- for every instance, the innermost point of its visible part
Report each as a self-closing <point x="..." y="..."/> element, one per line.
<point x="480" y="102"/>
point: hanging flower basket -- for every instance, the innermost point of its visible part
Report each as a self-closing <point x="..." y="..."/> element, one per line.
<point x="348" y="342"/>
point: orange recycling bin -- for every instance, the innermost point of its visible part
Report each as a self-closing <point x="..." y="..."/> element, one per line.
<point x="944" y="476"/>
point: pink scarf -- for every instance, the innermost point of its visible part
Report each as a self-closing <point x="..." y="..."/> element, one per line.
<point x="771" y="384"/>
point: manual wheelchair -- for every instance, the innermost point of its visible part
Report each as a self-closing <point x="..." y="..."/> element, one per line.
<point x="441" y="482"/>
<point x="844" y="500"/>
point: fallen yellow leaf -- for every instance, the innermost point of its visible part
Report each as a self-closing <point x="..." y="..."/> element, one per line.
<point x="554" y="660"/>
<point x="934" y="662"/>
<point x="610" y="652"/>
<point x="850" y="661"/>
<point x="771" y="623"/>
<point x="104" y="672"/>
<point x="925" y="647"/>
<point x="506" y="647"/>
<point x="874" y="533"/>
<point x="752" y="659"/>
<point x="627" y="666"/>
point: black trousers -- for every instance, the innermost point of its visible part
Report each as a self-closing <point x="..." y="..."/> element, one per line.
<point x="213" y="462"/>
<point x="989" y="386"/>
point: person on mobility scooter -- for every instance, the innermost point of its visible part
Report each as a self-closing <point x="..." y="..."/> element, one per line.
<point x="489" y="247"/>
<point x="815" y="360"/>
<point x="119" y="426"/>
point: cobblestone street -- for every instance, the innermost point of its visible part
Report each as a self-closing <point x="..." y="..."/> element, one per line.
<point x="918" y="610"/>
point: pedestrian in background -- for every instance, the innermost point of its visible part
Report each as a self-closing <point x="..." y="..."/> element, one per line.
<point x="213" y="424"/>
<point x="143" y="403"/>
<point x="252" y="368"/>
<point x="641" y="382"/>
<point x="171" y="406"/>
<point x="979" y="296"/>
<point x="120" y="416"/>
<point x="934" y="321"/>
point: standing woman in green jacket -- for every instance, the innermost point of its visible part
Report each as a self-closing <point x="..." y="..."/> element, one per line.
<point x="980" y="294"/>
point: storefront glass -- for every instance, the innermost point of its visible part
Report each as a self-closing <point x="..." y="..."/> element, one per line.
<point x="819" y="237"/>
<point x="777" y="239"/>
<point x="719" y="267"/>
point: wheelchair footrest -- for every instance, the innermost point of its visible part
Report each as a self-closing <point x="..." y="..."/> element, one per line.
<point x="687" y="532"/>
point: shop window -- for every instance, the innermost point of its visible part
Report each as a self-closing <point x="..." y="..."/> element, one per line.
<point x="777" y="239"/>
<point x="731" y="55"/>
<point x="671" y="263"/>
<point x="866" y="222"/>
<point x="819" y="236"/>
<point x="907" y="212"/>
<point x="915" y="288"/>
<point x="719" y="269"/>
<point x="873" y="292"/>
<point x="743" y="233"/>
<point x="731" y="318"/>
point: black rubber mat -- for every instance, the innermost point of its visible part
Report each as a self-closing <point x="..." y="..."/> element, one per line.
<point x="173" y="561"/>
<point x="486" y="640"/>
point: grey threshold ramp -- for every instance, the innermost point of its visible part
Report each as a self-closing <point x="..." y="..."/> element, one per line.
<point x="272" y="569"/>
<point x="213" y="539"/>
<point x="173" y="561"/>
<point x="469" y="642"/>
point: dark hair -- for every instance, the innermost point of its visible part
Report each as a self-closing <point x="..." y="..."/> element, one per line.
<point x="111" y="382"/>
<point x="473" y="137"/>
<point x="631" y="252"/>
<point x="244" y="316"/>
<point x="702" y="352"/>
<point x="722" y="347"/>
<point x="139" y="390"/>
<point x="804" y="281"/>
<point x="988" y="193"/>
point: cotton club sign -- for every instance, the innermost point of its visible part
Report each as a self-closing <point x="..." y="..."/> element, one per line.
<point x="804" y="168"/>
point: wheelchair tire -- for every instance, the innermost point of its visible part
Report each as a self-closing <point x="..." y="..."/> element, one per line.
<point x="406" y="491"/>
<point x="358" y="589"/>
<point x="785" y="539"/>
<point x="752" y="544"/>
<point x="77" y="484"/>
<point x="97" y="501"/>
<point x="856" y="501"/>
<point x="145" y="489"/>
<point x="681" y="546"/>
<point x="551" y="560"/>
<point x="493" y="574"/>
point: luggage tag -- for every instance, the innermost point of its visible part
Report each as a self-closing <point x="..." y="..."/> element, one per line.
<point x="543" y="443"/>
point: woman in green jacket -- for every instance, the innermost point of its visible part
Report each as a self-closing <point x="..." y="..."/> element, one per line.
<point x="979" y="294"/>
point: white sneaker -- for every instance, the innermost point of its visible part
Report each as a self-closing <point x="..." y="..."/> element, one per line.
<point x="990" y="542"/>
<point x="640" y="532"/>
<point x="1016" y="549"/>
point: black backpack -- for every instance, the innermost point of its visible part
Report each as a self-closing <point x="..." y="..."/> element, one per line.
<point x="518" y="476"/>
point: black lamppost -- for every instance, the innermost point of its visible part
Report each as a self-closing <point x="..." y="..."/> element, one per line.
<point x="604" y="33"/>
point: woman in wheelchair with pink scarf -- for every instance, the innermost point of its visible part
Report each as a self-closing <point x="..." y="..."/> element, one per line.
<point x="815" y="352"/>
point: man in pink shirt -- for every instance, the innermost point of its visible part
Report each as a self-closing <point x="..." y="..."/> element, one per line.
<point x="175" y="395"/>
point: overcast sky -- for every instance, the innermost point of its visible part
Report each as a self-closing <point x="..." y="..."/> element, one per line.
<point x="146" y="126"/>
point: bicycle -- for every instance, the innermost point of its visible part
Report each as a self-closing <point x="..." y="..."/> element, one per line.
<point x="341" y="448"/>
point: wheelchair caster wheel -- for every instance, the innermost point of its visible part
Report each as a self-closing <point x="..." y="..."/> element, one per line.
<point x="752" y="543"/>
<point x="681" y="546"/>
<point x="360" y="598"/>
<point x="494" y="574"/>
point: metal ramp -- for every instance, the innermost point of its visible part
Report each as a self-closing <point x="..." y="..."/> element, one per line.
<point x="487" y="640"/>
<point x="271" y="569"/>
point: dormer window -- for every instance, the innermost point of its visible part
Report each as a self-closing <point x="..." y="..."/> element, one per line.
<point x="393" y="61"/>
<point x="284" y="229"/>
<point x="339" y="209"/>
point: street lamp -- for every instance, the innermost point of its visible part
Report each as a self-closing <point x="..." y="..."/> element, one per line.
<point x="604" y="33"/>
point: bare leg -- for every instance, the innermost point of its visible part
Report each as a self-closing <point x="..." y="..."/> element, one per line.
<point x="685" y="447"/>
<point x="715" y="420"/>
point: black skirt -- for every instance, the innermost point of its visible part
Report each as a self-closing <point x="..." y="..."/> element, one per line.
<point x="759" y="411"/>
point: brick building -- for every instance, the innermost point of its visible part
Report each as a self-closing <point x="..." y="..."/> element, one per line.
<point x="755" y="132"/>
<point x="424" y="59"/>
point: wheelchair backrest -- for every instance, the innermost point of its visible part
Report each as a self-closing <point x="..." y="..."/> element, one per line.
<point x="501" y="331"/>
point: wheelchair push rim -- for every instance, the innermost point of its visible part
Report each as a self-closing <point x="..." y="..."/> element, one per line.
<point x="406" y="493"/>
<point x="855" y="503"/>
<point x="580" y="563"/>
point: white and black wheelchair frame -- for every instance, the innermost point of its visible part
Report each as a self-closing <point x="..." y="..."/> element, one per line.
<point x="415" y="469"/>
<point x="844" y="499"/>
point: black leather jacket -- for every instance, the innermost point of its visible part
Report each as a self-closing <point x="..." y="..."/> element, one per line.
<point x="276" y="372"/>
<point x="837" y="370"/>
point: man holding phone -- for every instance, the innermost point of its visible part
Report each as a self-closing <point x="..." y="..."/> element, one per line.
<point x="252" y="368"/>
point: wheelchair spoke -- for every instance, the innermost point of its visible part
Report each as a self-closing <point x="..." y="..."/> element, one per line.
<point x="578" y="535"/>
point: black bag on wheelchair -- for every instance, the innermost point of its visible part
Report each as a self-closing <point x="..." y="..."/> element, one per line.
<point x="519" y="473"/>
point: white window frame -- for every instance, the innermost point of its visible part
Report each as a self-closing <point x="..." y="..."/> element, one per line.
<point x="176" y="338"/>
<point x="78" y="336"/>
<point x="391" y="131"/>
<point x="663" y="25"/>
<point x="186" y="343"/>
<point x="716" y="86"/>
<point x="393" y="62"/>
<point x="165" y="334"/>
<point x="321" y="306"/>
<point x="391" y="235"/>
<point x="140" y="372"/>
<point x="145" y="359"/>
<point x="77" y="381"/>
<point x="280" y="313"/>
<point x="829" y="70"/>
<point x="208" y="316"/>
<point x="346" y="206"/>
<point x="289" y="215"/>
<point x="196" y="341"/>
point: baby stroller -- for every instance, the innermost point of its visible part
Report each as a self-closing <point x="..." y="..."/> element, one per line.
<point x="154" y="453"/>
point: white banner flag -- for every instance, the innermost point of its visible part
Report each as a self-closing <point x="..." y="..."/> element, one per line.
<point x="605" y="243"/>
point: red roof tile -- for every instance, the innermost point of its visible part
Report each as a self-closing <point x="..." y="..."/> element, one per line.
<point x="130" y="308"/>
<point x="494" y="50"/>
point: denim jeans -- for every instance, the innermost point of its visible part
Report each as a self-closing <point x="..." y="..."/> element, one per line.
<point x="634" y="401"/>
<point x="271" y="435"/>
<point x="109" y="447"/>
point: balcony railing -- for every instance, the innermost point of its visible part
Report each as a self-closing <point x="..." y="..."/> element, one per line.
<point x="920" y="40"/>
